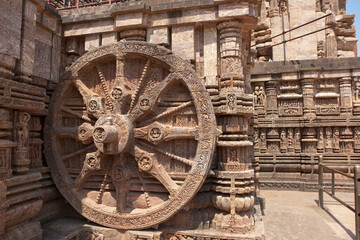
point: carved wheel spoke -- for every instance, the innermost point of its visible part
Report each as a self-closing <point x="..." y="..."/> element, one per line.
<point x="157" y="132"/>
<point x="93" y="163"/>
<point x="148" y="163"/>
<point x="132" y="116"/>
<point x="147" y="102"/>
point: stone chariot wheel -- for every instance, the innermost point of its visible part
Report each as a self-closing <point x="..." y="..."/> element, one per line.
<point x="130" y="135"/>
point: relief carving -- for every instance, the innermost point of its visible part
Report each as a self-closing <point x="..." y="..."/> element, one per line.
<point x="357" y="89"/>
<point x="328" y="140"/>
<point x="21" y="161"/>
<point x="357" y="139"/>
<point x="320" y="143"/>
<point x="336" y="138"/>
<point x="283" y="141"/>
<point x="259" y="96"/>
<point x="297" y="140"/>
<point x="125" y="137"/>
<point x="263" y="140"/>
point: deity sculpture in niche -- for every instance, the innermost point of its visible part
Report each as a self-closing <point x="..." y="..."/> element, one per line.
<point x="262" y="96"/>
<point x="328" y="140"/>
<point x="22" y="130"/>
<point x="283" y="141"/>
<point x="259" y="96"/>
<point x="320" y="144"/>
<point x="21" y="161"/>
<point x="263" y="140"/>
<point x="336" y="139"/>
<point x="357" y="139"/>
<point x="357" y="89"/>
<point x="297" y="140"/>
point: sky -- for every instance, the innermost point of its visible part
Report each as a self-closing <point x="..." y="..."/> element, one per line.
<point x="353" y="6"/>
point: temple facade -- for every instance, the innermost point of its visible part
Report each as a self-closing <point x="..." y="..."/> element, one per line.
<point x="305" y="83"/>
<point x="156" y="119"/>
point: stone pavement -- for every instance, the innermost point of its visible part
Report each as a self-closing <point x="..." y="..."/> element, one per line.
<point x="291" y="215"/>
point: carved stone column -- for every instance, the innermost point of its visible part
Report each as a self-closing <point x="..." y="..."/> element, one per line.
<point x="271" y="97"/>
<point x="345" y="95"/>
<point x="232" y="69"/>
<point x="235" y="201"/>
<point x="307" y="86"/>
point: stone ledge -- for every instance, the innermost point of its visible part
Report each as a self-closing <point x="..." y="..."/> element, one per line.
<point x="305" y="65"/>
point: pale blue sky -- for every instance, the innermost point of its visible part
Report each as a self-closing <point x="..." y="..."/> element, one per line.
<point x="353" y="6"/>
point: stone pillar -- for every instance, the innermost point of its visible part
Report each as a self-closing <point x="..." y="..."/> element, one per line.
<point x="271" y="98"/>
<point x="307" y="86"/>
<point x="237" y="202"/>
<point x="24" y="67"/>
<point x="232" y="68"/>
<point x="345" y="95"/>
<point x="210" y="59"/>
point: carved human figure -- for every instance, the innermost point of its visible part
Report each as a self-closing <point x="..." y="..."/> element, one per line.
<point x="357" y="89"/>
<point x="320" y="143"/>
<point x="263" y="139"/>
<point x="336" y="139"/>
<point x="297" y="140"/>
<point x="256" y="95"/>
<point x="328" y="140"/>
<point x="283" y="142"/>
<point x="22" y="129"/>
<point x="357" y="138"/>
<point x="261" y="98"/>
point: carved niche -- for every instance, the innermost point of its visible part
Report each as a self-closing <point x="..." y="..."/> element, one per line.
<point x="356" y="95"/>
<point x="327" y="98"/>
<point x="130" y="135"/>
<point x="290" y="101"/>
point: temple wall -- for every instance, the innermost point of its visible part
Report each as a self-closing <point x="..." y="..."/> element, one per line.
<point x="305" y="109"/>
<point x="212" y="36"/>
<point x="30" y="51"/>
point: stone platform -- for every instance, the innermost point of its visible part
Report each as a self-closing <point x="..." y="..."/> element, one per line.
<point x="288" y="215"/>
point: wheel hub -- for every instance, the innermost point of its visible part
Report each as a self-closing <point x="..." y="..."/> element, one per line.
<point x="113" y="133"/>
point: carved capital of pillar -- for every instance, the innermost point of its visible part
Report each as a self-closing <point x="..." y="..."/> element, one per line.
<point x="133" y="35"/>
